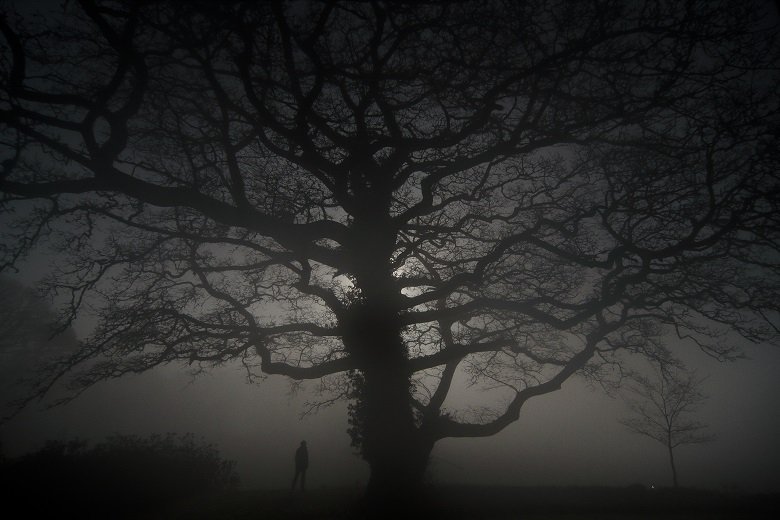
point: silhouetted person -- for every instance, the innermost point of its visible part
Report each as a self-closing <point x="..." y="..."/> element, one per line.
<point x="301" y="464"/>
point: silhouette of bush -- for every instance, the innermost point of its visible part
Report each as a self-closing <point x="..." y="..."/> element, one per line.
<point x="120" y="476"/>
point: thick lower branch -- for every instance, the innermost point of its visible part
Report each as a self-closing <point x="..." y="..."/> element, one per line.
<point x="447" y="427"/>
<point x="311" y="372"/>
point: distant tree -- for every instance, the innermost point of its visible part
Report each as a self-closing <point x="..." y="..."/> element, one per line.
<point x="663" y="407"/>
<point x="30" y="336"/>
<point x="502" y="193"/>
<point x="27" y="321"/>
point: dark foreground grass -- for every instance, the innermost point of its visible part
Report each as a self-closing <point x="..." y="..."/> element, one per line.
<point x="496" y="503"/>
<point x="263" y="504"/>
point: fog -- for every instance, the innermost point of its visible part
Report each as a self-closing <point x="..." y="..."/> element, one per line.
<point x="571" y="437"/>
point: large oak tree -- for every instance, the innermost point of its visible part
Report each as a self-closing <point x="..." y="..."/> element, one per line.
<point x="394" y="195"/>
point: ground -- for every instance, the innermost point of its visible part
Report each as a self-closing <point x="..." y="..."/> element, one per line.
<point x="499" y="503"/>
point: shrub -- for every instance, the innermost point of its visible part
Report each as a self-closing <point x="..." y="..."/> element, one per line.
<point x="120" y="476"/>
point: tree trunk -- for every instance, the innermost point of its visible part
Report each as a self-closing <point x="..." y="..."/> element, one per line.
<point x="396" y="452"/>
<point x="393" y="448"/>
<point x="391" y="443"/>
<point x="674" y="469"/>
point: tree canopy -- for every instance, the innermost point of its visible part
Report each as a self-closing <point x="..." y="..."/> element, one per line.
<point x="516" y="191"/>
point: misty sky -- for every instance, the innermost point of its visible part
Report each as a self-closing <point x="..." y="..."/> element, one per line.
<point x="571" y="437"/>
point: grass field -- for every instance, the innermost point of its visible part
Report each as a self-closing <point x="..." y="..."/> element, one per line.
<point x="496" y="503"/>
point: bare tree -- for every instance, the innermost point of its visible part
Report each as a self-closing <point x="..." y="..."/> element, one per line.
<point x="517" y="191"/>
<point x="662" y="407"/>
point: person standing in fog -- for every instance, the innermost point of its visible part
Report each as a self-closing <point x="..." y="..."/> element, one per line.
<point x="301" y="464"/>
